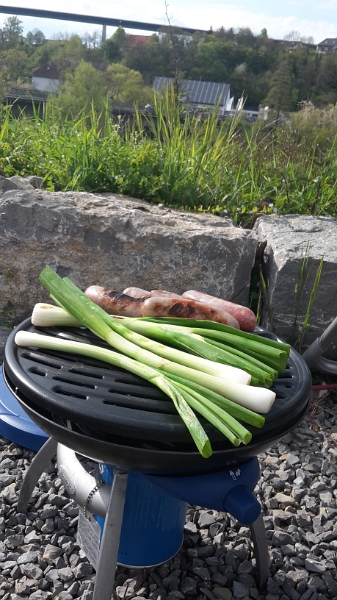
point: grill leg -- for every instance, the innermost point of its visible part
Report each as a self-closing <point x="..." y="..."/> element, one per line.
<point x="39" y="463"/>
<point x="258" y="533"/>
<point x="107" y="560"/>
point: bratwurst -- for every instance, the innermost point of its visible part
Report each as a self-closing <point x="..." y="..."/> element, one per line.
<point x="115" y="303"/>
<point x="160" y="306"/>
<point x="242" y="314"/>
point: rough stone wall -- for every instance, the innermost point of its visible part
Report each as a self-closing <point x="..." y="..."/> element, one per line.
<point x="116" y="242"/>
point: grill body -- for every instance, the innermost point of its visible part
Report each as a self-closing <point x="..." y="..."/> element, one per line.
<point x="119" y="419"/>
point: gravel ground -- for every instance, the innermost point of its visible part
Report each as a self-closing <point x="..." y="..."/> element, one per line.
<point x="40" y="559"/>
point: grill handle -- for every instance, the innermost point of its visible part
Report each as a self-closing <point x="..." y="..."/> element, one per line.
<point x="313" y="355"/>
<point x="242" y="505"/>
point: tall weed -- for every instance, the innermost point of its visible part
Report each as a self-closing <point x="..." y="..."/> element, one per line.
<point x="183" y="159"/>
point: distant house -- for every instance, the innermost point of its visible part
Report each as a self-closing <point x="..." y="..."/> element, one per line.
<point x="328" y="45"/>
<point x="137" y="41"/>
<point x="200" y="94"/>
<point x="46" y="78"/>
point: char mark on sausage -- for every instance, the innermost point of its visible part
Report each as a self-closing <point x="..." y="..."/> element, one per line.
<point x="245" y="316"/>
<point x="186" y="309"/>
<point x="115" y="303"/>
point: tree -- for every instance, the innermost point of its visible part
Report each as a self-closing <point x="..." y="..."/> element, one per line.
<point x="114" y="46"/>
<point x="245" y="37"/>
<point x="66" y="54"/>
<point x="69" y="53"/>
<point x="325" y="81"/>
<point x="282" y="94"/>
<point x="225" y="35"/>
<point x="11" y="33"/>
<point x="156" y="58"/>
<point x="38" y="36"/>
<point x="111" y="50"/>
<point x="119" y="37"/>
<point x="295" y="36"/>
<point x="15" y="65"/>
<point x="126" y="85"/>
<point x="29" y="38"/>
<point x="292" y="36"/>
<point x="263" y="34"/>
<point x="35" y="38"/>
<point x="211" y="62"/>
<point x="95" y="39"/>
<point x="3" y="85"/>
<point x="81" y="90"/>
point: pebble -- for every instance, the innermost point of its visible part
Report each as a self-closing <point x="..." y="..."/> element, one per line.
<point x="41" y="560"/>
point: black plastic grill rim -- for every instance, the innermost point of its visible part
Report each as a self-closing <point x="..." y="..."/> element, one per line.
<point x="147" y="459"/>
<point x="78" y="389"/>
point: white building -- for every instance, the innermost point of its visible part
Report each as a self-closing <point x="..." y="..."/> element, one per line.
<point x="46" y="78"/>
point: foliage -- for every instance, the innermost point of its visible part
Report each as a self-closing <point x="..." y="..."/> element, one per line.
<point x="279" y="74"/>
<point x="15" y="65"/>
<point x="314" y="126"/>
<point x="35" y="37"/>
<point x="184" y="160"/>
<point x="114" y="46"/>
<point x="11" y="33"/>
<point x="66" y="54"/>
<point x="126" y="85"/>
<point x="82" y="89"/>
<point x="282" y="94"/>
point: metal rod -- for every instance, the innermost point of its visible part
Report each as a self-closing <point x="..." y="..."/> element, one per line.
<point x="107" y="560"/>
<point x="259" y="538"/>
<point x="38" y="465"/>
<point x="328" y="336"/>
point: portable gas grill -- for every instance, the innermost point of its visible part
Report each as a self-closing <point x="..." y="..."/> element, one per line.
<point x="115" y="418"/>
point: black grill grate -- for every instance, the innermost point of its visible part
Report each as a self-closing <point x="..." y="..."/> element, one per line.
<point x="112" y="404"/>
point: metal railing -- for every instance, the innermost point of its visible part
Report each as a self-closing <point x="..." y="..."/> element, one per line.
<point x="125" y="106"/>
<point x="26" y="93"/>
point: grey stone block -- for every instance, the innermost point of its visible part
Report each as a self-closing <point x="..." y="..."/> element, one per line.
<point x="288" y="239"/>
<point x="117" y="242"/>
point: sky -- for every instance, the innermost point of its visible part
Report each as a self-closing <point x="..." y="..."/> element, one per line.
<point x="310" y="18"/>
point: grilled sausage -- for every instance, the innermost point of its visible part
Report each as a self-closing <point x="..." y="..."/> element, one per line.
<point x="115" y="303"/>
<point x="157" y="306"/>
<point x="244" y="315"/>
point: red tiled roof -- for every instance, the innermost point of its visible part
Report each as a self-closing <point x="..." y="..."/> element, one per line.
<point x="134" y="41"/>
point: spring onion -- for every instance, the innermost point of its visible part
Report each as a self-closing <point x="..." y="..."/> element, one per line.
<point x="140" y="341"/>
<point x="271" y="352"/>
<point x="25" y="338"/>
<point x="71" y="298"/>
<point x="232" y="408"/>
<point x="47" y="315"/>
<point x="183" y="338"/>
<point x="201" y="367"/>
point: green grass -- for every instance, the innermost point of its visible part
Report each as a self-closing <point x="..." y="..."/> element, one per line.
<point x="181" y="160"/>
